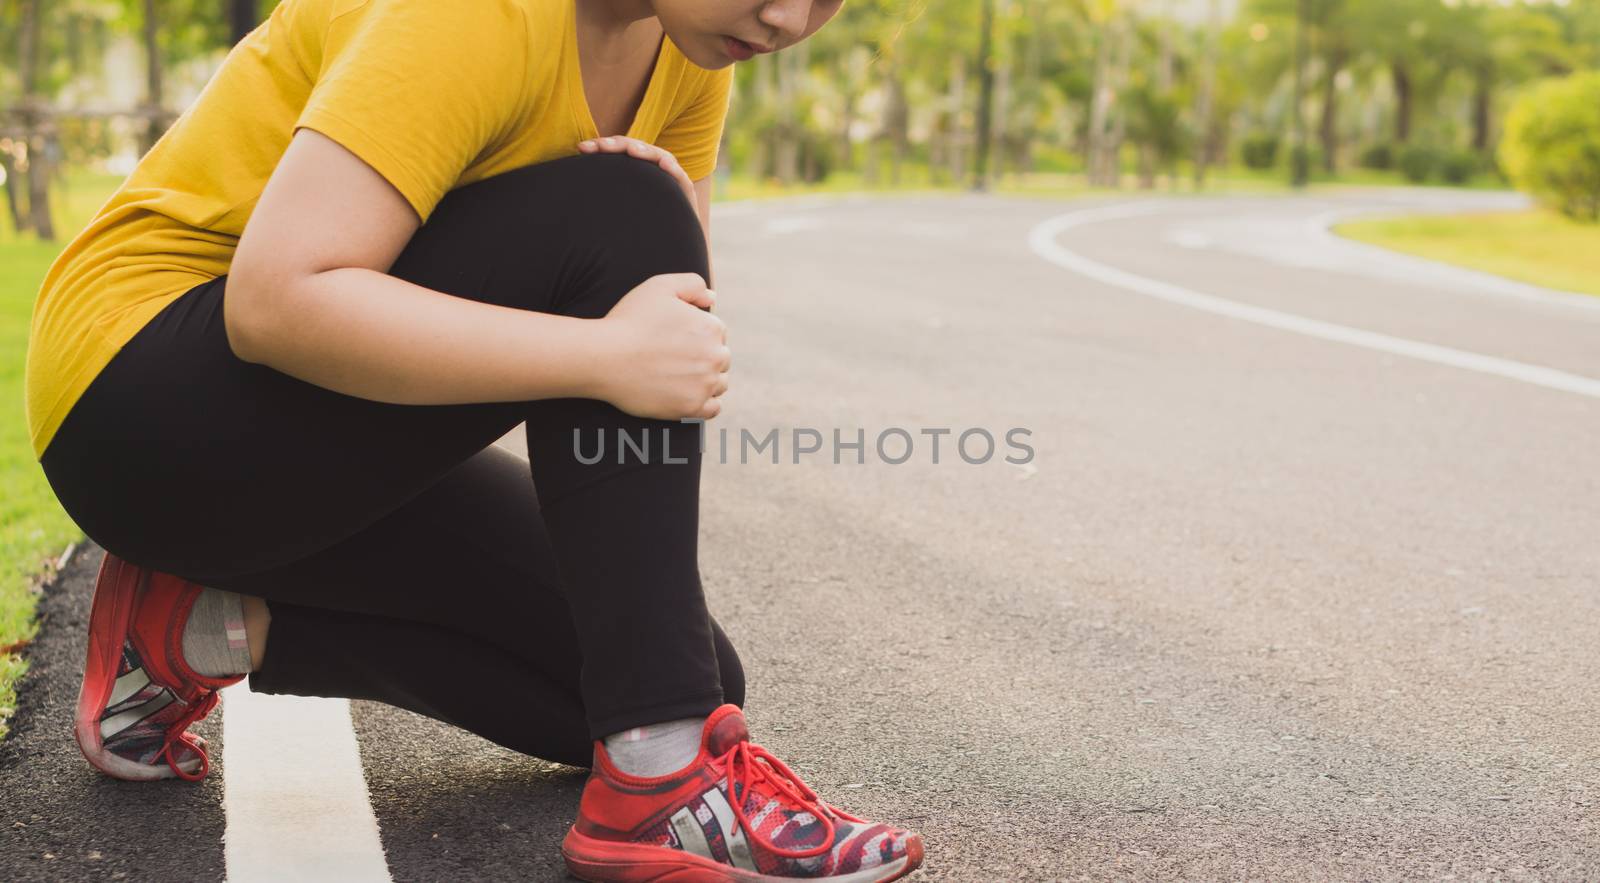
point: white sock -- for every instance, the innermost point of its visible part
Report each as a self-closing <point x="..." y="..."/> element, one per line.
<point x="658" y="749"/>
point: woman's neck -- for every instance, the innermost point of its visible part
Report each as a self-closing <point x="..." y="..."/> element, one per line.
<point x="613" y="17"/>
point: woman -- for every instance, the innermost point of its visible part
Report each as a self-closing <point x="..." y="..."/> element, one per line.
<point x="267" y="378"/>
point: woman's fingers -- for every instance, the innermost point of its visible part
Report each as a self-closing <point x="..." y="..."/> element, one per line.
<point x="646" y="150"/>
<point x="687" y="287"/>
<point x="630" y="146"/>
<point x="721" y="327"/>
<point x="697" y="295"/>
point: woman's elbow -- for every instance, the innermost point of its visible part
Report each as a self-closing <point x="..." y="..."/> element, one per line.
<point x="251" y="311"/>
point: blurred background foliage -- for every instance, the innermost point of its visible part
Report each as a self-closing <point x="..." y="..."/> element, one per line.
<point x="961" y="93"/>
<point x="1168" y="93"/>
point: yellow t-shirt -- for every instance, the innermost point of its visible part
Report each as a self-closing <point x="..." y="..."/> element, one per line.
<point x="434" y="94"/>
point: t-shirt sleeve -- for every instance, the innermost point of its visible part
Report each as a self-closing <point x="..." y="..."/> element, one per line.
<point x="695" y="134"/>
<point x="418" y="89"/>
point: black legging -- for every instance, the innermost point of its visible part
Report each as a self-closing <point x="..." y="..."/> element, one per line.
<point x="403" y="558"/>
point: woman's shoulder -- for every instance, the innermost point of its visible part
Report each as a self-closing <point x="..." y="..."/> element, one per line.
<point x="492" y="22"/>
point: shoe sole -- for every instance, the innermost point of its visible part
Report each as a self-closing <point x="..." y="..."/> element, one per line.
<point x="116" y="589"/>
<point x="601" y="861"/>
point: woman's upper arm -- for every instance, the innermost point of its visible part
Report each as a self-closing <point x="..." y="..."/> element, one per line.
<point x="407" y="95"/>
<point x="322" y="209"/>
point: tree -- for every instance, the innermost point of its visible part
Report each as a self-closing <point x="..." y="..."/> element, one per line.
<point x="242" y="18"/>
<point x="36" y="122"/>
<point x="1205" y="104"/>
<point x="1514" y="44"/>
<point x="155" y="114"/>
<point x="980" y="171"/>
<point x="1113" y="45"/>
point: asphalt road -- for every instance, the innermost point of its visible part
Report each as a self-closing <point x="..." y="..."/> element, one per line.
<point x="1265" y="602"/>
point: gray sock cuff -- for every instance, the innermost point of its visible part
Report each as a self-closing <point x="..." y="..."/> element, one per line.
<point x="214" y="639"/>
<point x="657" y="749"/>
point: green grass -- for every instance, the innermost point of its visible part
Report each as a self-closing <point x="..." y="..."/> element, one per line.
<point x="33" y="529"/>
<point x="1355" y="176"/>
<point x="916" y="178"/>
<point x="1538" y="247"/>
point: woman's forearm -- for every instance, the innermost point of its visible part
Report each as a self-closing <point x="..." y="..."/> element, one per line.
<point x="374" y="336"/>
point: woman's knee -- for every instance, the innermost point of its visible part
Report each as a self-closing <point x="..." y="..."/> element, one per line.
<point x="602" y="196"/>
<point x="619" y="180"/>
<point x="572" y="235"/>
<point x="637" y="214"/>
<point x="625" y="220"/>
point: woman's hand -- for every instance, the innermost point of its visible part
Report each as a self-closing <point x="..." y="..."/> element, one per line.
<point x="662" y="354"/>
<point x="645" y="151"/>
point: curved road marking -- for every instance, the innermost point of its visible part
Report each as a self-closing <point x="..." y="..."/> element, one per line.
<point x="294" y="794"/>
<point x="1043" y="238"/>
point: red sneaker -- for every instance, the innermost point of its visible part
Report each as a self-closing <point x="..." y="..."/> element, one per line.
<point x="735" y="814"/>
<point x="139" y="696"/>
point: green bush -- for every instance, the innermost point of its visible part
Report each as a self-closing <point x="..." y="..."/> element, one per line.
<point x="1459" y="166"/>
<point x="1050" y="159"/>
<point x="1379" y="157"/>
<point x="1260" y="151"/>
<point x="1419" y="163"/>
<point x="1552" y="144"/>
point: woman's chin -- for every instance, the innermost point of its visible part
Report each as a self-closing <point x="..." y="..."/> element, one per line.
<point x="703" y="50"/>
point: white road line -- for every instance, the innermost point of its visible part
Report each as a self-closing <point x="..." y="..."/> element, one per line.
<point x="294" y="794"/>
<point x="1043" y="240"/>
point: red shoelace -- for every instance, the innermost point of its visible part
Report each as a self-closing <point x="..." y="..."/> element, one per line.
<point x="178" y="734"/>
<point x="748" y="763"/>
